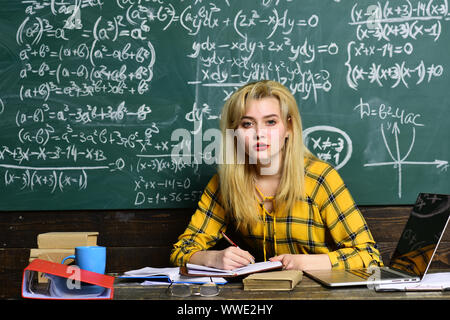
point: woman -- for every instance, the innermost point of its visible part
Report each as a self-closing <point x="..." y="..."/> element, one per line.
<point x="287" y="205"/>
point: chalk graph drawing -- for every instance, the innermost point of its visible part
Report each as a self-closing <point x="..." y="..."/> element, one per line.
<point x="399" y="161"/>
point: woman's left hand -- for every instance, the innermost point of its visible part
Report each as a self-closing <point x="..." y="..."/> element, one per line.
<point x="303" y="261"/>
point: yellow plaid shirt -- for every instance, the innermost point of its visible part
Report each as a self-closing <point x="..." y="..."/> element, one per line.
<point x="327" y="222"/>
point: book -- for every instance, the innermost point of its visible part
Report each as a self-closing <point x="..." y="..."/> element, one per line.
<point x="274" y="280"/>
<point x="430" y="282"/>
<point x="155" y="276"/>
<point x="66" y="240"/>
<point x="65" y="282"/>
<point x="53" y="255"/>
<point x="195" y="270"/>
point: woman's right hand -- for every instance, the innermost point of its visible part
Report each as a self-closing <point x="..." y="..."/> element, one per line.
<point x="232" y="258"/>
<point x="227" y="259"/>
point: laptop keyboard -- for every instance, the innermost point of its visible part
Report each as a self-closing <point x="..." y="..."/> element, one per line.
<point x="381" y="273"/>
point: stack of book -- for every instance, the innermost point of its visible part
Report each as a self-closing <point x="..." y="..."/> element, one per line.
<point x="55" y="246"/>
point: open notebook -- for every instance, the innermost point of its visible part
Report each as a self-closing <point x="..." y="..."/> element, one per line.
<point x="194" y="270"/>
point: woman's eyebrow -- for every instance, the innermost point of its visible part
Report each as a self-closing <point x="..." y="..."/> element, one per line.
<point x="272" y="115"/>
<point x="267" y="116"/>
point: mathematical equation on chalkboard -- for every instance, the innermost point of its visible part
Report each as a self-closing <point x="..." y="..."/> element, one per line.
<point x="88" y="102"/>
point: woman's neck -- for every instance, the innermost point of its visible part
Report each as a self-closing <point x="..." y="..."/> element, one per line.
<point x="268" y="184"/>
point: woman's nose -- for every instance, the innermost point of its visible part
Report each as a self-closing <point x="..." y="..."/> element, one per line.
<point x="260" y="132"/>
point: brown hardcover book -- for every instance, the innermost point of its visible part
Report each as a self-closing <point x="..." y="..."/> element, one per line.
<point x="66" y="240"/>
<point x="275" y="280"/>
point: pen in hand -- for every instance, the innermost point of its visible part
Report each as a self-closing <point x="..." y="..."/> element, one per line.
<point x="229" y="240"/>
<point x="232" y="243"/>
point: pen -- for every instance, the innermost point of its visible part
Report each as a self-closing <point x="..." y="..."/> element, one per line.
<point x="232" y="243"/>
<point x="229" y="240"/>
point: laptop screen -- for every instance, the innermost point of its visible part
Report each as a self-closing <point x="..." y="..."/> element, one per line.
<point x="422" y="233"/>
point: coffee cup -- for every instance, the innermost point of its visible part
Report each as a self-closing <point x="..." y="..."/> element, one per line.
<point x="91" y="258"/>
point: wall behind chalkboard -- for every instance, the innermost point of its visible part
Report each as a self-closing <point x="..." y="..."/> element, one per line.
<point x="96" y="95"/>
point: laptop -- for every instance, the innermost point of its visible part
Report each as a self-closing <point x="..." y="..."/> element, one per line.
<point x="414" y="252"/>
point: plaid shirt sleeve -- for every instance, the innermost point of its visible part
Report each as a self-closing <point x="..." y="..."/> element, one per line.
<point x="204" y="228"/>
<point x="355" y="245"/>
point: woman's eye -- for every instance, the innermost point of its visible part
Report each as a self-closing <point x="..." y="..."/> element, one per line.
<point x="246" y="124"/>
<point x="271" y="122"/>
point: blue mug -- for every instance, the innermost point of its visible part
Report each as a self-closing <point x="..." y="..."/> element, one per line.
<point x="91" y="258"/>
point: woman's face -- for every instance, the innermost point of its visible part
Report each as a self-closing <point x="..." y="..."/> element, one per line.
<point x="263" y="132"/>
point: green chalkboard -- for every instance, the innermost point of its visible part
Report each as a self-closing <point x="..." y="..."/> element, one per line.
<point x="97" y="96"/>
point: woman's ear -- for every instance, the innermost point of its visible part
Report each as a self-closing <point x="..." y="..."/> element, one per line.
<point x="289" y="127"/>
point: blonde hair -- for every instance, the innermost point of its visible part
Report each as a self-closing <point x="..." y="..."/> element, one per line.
<point x="237" y="184"/>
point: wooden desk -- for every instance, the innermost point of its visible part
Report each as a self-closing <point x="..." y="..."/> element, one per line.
<point x="307" y="289"/>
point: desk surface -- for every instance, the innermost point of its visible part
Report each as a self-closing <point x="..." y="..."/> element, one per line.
<point x="307" y="289"/>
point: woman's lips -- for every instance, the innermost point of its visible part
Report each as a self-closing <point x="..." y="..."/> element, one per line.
<point x="260" y="147"/>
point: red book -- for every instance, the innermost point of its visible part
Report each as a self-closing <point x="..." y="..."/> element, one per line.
<point x="66" y="282"/>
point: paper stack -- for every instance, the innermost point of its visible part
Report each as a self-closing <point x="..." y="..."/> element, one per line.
<point x="55" y="246"/>
<point x="156" y="276"/>
<point x="430" y="282"/>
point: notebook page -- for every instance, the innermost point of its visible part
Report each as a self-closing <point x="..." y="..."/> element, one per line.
<point x="199" y="269"/>
<point x="251" y="268"/>
<point x="150" y="271"/>
<point x="254" y="267"/>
